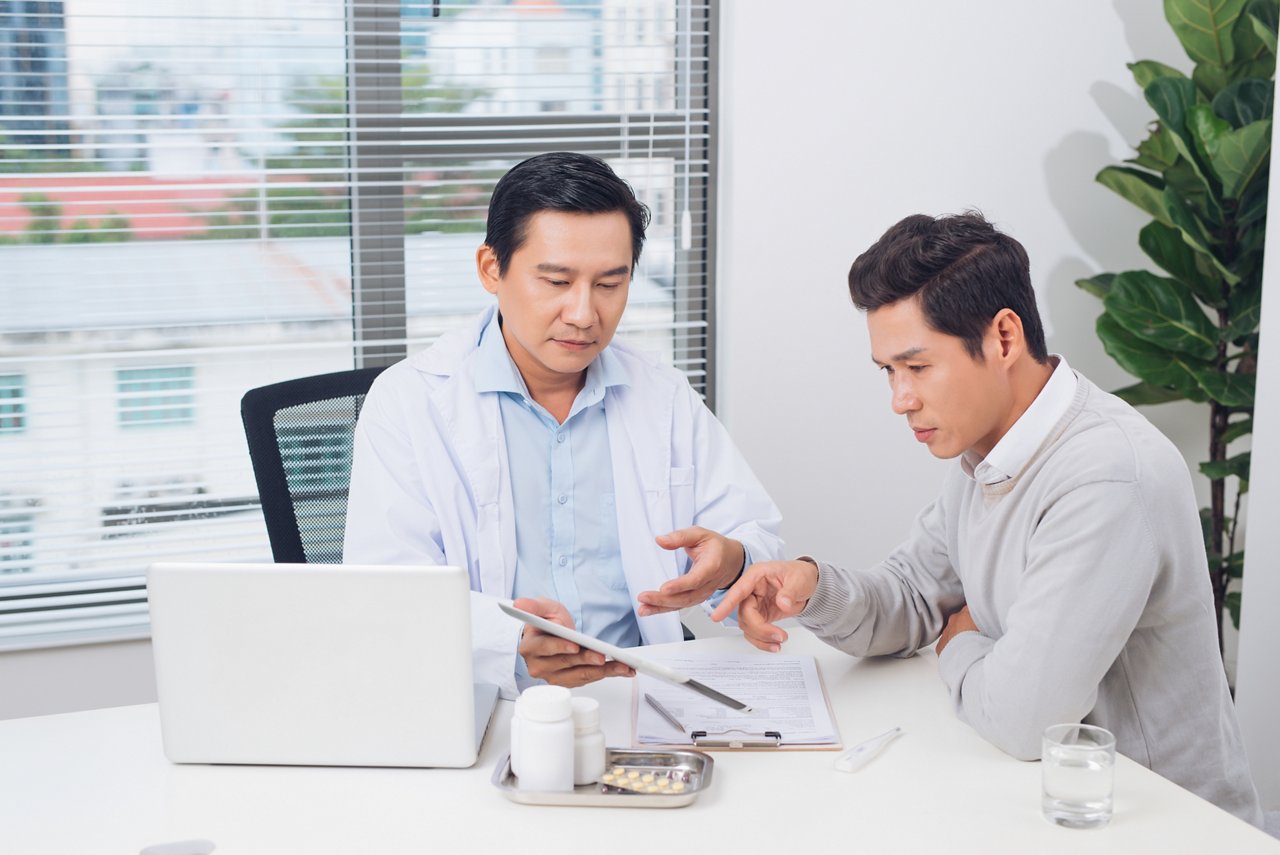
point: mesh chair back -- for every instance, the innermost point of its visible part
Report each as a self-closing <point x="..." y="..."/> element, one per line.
<point x="300" y="435"/>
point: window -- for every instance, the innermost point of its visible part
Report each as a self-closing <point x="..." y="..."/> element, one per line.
<point x="200" y="198"/>
<point x="13" y="403"/>
<point x="150" y="397"/>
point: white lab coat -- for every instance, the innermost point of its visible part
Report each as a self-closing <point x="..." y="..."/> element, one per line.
<point x="430" y="484"/>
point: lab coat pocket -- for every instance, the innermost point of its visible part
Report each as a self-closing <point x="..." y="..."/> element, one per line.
<point x="682" y="496"/>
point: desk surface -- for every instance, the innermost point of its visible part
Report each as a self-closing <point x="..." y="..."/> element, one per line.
<point x="98" y="782"/>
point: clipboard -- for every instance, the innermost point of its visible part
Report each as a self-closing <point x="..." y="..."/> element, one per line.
<point x="737" y="739"/>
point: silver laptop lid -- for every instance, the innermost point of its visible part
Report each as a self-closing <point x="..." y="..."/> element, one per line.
<point x="314" y="664"/>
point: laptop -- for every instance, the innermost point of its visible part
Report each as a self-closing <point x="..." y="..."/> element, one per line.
<point x="316" y="664"/>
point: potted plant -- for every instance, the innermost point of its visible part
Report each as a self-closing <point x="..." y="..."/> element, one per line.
<point x="1202" y="174"/>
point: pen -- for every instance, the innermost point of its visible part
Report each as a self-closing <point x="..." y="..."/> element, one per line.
<point x="662" y="711"/>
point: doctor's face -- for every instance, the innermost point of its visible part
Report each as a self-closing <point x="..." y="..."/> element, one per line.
<point x="563" y="293"/>
<point x="953" y="402"/>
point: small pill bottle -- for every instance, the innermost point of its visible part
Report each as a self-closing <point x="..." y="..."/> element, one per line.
<point x="588" y="742"/>
<point x="542" y="739"/>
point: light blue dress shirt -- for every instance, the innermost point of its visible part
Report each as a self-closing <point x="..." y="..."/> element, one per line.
<point x="562" y="489"/>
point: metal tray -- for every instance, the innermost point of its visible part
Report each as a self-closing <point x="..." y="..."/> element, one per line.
<point x="692" y="768"/>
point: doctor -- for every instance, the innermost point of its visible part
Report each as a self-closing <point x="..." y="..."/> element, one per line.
<point x="559" y="467"/>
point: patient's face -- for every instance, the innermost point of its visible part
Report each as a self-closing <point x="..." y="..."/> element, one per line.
<point x="953" y="402"/>
<point x="563" y="293"/>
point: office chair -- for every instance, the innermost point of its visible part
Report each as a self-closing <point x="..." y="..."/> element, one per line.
<point x="300" y="435"/>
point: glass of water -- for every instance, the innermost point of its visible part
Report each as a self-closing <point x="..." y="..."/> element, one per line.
<point x="1078" y="764"/>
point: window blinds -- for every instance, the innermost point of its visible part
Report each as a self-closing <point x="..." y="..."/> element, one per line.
<point x="199" y="197"/>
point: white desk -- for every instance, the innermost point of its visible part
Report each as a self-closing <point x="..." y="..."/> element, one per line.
<point x="97" y="782"/>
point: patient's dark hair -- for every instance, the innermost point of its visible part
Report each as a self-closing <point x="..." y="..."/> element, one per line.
<point x="963" y="270"/>
<point x="558" y="181"/>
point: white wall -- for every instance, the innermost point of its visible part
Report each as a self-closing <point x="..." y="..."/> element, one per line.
<point x="1258" y="680"/>
<point x="67" y="679"/>
<point x="838" y="119"/>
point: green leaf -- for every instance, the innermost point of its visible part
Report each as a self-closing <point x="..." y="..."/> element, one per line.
<point x="1157" y="152"/>
<point x="1210" y="79"/>
<point x="1236" y="430"/>
<point x="1098" y="285"/>
<point x="1264" y="15"/>
<point x="1253" y="205"/>
<point x="1172" y="99"/>
<point x="1227" y="387"/>
<point x="1237" y="156"/>
<point x="1245" y="307"/>
<point x="1147" y="70"/>
<point x="1204" y="27"/>
<point x="1141" y="188"/>
<point x="1246" y="101"/>
<point x="1232" y="602"/>
<point x="1206" y="131"/>
<point x="1164" y="245"/>
<point x="1194" y="232"/>
<point x="1145" y="394"/>
<point x="1150" y="362"/>
<point x="1237" y="467"/>
<point x="1249" y="46"/>
<point x="1186" y="179"/>
<point x="1235" y="565"/>
<point x="1267" y="36"/>
<point x="1162" y="311"/>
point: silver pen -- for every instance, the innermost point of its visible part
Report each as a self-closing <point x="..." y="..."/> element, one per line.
<point x="662" y="711"/>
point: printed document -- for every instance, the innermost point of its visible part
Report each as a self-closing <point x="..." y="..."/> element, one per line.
<point x="784" y="692"/>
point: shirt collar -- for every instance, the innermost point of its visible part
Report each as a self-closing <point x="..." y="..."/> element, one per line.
<point x="495" y="371"/>
<point x="1020" y="443"/>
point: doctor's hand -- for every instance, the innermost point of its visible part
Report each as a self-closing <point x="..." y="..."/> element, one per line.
<point x="716" y="562"/>
<point x="768" y="592"/>
<point x="557" y="660"/>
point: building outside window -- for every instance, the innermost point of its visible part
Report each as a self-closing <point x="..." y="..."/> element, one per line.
<point x="200" y="198"/>
<point x="13" y="403"/>
<point x="156" y="397"/>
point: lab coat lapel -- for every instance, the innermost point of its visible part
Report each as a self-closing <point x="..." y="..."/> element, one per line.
<point x="640" y="430"/>
<point x="475" y="423"/>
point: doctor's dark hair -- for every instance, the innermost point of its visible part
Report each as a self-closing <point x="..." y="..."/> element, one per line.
<point x="558" y="181"/>
<point x="963" y="270"/>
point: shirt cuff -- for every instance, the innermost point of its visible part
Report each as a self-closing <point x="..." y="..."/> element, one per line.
<point x="830" y="601"/>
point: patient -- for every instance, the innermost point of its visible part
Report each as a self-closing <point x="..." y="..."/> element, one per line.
<point x="1061" y="570"/>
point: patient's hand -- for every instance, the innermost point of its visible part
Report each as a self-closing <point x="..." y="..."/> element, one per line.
<point x="959" y="622"/>
<point x="556" y="660"/>
<point x="767" y="593"/>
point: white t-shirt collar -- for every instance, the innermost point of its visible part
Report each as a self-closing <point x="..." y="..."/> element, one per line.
<point x="1015" y="448"/>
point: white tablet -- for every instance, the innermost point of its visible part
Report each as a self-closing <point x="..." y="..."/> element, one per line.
<point x="625" y="655"/>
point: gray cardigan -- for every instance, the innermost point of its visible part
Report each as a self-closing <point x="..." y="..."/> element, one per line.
<point x="1086" y="576"/>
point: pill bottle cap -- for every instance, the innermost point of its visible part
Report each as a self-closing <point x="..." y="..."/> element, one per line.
<point x="545" y="703"/>
<point x="586" y="715"/>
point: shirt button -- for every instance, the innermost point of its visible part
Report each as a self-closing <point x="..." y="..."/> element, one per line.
<point x="563" y="499"/>
<point x="559" y="437"/>
<point x="563" y="560"/>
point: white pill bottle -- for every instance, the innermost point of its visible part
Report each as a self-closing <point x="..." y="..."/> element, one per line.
<point x="542" y="739"/>
<point x="588" y="742"/>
